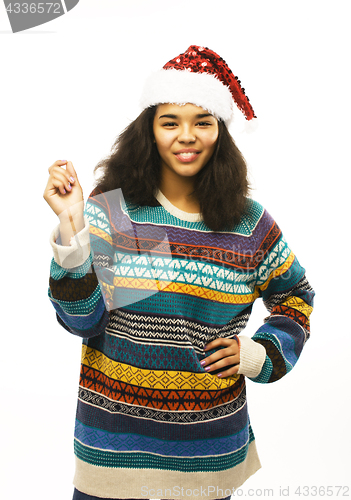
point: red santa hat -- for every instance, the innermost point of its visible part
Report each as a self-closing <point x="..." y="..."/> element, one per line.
<point x="198" y="76"/>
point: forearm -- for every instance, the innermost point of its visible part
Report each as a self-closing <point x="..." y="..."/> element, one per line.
<point x="285" y="331"/>
<point x="74" y="288"/>
<point x="77" y="249"/>
<point x="77" y="299"/>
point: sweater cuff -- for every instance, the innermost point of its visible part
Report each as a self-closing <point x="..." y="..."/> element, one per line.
<point x="252" y="357"/>
<point x="74" y="254"/>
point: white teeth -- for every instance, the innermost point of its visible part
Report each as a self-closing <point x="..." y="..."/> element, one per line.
<point x="187" y="154"/>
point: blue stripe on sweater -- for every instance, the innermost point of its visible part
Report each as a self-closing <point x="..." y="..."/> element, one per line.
<point x="103" y="440"/>
<point x="85" y="326"/>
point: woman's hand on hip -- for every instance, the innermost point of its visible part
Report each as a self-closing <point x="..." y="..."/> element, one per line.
<point x="227" y="356"/>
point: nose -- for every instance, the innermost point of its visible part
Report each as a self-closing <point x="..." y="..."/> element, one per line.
<point x="186" y="134"/>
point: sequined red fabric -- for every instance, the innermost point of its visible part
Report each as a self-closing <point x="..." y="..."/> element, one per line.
<point x="204" y="60"/>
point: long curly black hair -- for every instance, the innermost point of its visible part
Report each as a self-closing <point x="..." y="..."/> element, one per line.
<point x="134" y="166"/>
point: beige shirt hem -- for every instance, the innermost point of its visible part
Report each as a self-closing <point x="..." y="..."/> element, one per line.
<point x="152" y="483"/>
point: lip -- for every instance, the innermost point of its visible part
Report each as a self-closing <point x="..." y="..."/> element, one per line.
<point x="191" y="155"/>
<point x="187" y="150"/>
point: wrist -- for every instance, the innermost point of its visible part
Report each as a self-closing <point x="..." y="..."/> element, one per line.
<point x="74" y="250"/>
<point x="252" y="357"/>
<point x="71" y="223"/>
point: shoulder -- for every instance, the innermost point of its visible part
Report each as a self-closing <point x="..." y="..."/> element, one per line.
<point x="255" y="218"/>
<point x="252" y="216"/>
<point x="253" y="213"/>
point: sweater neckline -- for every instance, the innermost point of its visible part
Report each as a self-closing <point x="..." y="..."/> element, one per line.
<point x="176" y="212"/>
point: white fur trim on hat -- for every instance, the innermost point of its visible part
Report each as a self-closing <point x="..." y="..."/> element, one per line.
<point x="181" y="87"/>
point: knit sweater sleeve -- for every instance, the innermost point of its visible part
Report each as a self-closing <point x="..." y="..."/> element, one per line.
<point x="74" y="288"/>
<point x="281" y="282"/>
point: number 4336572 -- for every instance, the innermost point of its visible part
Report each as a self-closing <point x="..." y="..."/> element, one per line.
<point x="34" y="8"/>
<point x="321" y="491"/>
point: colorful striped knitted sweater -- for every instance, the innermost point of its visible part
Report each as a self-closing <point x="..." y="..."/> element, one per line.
<point x="150" y="420"/>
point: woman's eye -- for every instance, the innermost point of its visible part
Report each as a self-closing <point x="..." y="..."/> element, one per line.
<point x="204" y="124"/>
<point x="169" y="124"/>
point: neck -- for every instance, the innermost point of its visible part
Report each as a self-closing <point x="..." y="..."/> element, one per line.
<point x="179" y="192"/>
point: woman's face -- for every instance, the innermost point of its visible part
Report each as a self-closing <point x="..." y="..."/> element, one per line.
<point x="186" y="138"/>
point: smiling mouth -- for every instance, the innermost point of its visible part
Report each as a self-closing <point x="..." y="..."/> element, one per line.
<point x="187" y="156"/>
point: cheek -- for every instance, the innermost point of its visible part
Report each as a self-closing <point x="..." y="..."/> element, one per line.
<point x="210" y="136"/>
<point x="163" y="143"/>
<point x="210" y="141"/>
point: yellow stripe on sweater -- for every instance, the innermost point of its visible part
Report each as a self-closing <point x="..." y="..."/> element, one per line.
<point x="279" y="271"/>
<point x="183" y="288"/>
<point x="100" y="234"/>
<point x="298" y="304"/>
<point x="153" y="379"/>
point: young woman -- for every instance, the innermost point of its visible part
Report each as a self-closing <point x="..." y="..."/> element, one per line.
<point x="162" y="407"/>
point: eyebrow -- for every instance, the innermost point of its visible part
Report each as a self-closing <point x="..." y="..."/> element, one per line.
<point x="201" y="115"/>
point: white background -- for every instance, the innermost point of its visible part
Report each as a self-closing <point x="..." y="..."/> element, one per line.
<point x="68" y="88"/>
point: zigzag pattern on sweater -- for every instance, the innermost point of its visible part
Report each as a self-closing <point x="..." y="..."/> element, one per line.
<point x="301" y="288"/>
<point x="94" y="399"/>
<point x="177" y="332"/>
<point x="232" y="242"/>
